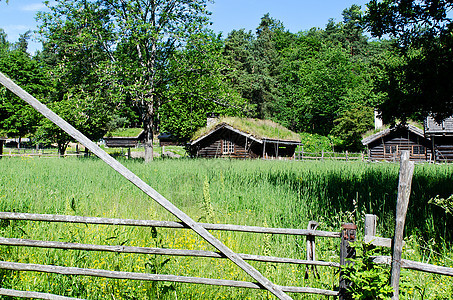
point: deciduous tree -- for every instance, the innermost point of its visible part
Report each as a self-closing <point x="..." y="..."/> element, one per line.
<point x="418" y="80"/>
<point x="201" y="87"/>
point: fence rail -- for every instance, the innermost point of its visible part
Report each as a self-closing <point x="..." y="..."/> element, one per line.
<point x="406" y="264"/>
<point x="309" y="233"/>
<point x="324" y="155"/>
<point x="165" y="224"/>
<point x="31" y="152"/>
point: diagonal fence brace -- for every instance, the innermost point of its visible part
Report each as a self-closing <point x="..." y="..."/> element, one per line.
<point x="129" y="175"/>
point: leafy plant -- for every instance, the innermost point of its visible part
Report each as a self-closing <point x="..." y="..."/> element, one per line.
<point x="369" y="280"/>
<point x="446" y="204"/>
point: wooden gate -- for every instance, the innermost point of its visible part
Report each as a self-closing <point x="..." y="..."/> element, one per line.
<point x="262" y="282"/>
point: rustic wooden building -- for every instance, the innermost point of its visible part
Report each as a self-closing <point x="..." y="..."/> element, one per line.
<point x="244" y="138"/>
<point x="441" y="136"/>
<point x="114" y="141"/>
<point x="388" y="144"/>
<point x="167" y="139"/>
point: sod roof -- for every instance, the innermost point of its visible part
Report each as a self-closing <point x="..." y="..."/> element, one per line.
<point x="259" y="129"/>
<point x="125" y="132"/>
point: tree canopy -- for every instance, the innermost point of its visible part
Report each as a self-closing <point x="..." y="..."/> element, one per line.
<point x="417" y="78"/>
<point x="109" y="64"/>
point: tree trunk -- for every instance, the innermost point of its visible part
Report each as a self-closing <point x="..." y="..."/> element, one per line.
<point x="61" y="149"/>
<point x="148" y="127"/>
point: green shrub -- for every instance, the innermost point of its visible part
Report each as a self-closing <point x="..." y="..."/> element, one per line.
<point x="369" y="280"/>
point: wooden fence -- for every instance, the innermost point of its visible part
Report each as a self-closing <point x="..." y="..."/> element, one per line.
<point x="310" y="233"/>
<point x="325" y="155"/>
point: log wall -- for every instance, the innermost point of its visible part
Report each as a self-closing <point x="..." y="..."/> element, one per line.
<point x="389" y="147"/>
<point x="212" y="146"/>
<point x="443" y="148"/>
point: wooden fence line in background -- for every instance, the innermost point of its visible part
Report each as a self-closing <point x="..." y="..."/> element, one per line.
<point x="164" y="224"/>
<point x="302" y="155"/>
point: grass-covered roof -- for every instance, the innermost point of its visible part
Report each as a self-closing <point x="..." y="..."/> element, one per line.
<point x="125" y="132"/>
<point x="260" y="129"/>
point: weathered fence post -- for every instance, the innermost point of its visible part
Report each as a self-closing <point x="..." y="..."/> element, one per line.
<point x="404" y="191"/>
<point x="370" y="225"/>
<point x="348" y="234"/>
<point x="311" y="250"/>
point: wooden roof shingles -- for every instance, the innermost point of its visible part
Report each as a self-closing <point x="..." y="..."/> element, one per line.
<point x="432" y="128"/>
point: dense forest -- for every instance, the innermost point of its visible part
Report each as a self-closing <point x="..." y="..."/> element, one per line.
<point x="105" y="66"/>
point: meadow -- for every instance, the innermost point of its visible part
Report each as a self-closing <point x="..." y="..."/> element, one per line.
<point x="261" y="193"/>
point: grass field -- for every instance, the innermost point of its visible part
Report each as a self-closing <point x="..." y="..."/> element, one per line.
<point x="263" y="193"/>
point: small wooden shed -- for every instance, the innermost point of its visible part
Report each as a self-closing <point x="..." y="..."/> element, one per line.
<point x="244" y="138"/>
<point x="388" y="144"/>
<point x="167" y="139"/>
<point x="120" y="139"/>
<point x="441" y="135"/>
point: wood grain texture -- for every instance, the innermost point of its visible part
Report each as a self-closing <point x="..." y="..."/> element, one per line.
<point x="415" y="265"/>
<point x="164" y="224"/>
<point x="155" y="251"/>
<point x="404" y="191"/>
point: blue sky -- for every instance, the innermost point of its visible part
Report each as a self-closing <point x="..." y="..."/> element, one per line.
<point x="19" y="15"/>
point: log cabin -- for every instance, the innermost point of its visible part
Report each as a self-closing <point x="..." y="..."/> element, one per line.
<point x="388" y="144"/>
<point x="119" y="139"/>
<point x="441" y="136"/>
<point x="244" y="138"/>
<point x="167" y="139"/>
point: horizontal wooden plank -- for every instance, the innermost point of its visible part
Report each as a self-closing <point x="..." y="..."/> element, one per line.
<point x="165" y="224"/>
<point x="414" y="265"/>
<point x="34" y="295"/>
<point x="155" y="251"/>
<point x="153" y="277"/>
<point x="379" y="241"/>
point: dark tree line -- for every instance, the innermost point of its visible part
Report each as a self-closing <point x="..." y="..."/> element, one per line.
<point x="108" y="64"/>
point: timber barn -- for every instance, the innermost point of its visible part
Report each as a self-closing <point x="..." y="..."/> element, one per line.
<point x="388" y="144"/>
<point x="244" y="138"/>
<point x="115" y="141"/>
<point x="167" y="139"/>
<point x="441" y="136"/>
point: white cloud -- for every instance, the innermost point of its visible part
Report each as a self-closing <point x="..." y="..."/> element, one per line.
<point x="33" y="7"/>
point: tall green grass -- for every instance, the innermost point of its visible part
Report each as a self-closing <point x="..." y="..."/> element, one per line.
<point x="263" y="193"/>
